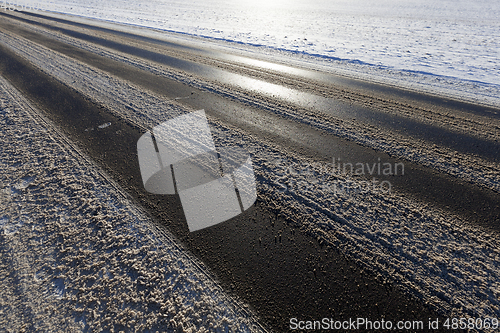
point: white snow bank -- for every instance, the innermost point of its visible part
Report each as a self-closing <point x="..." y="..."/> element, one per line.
<point x="448" y="46"/>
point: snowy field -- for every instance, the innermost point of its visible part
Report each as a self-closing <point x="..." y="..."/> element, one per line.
<point x="446" y="46"/>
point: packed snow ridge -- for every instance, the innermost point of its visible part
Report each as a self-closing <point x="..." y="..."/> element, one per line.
<point x="77" y="256"/>
<point x="452" y="266"/>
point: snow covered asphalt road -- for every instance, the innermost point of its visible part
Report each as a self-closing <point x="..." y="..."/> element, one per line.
<point x="372" y="201"/>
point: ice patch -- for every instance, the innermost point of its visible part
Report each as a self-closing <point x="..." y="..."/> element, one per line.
<point x="8" y="227"/>
<point x="104" y="125"/>
<point x="24" y="183"/>
<point x="3" y="221"/>
<point x="40" y="276"/>
<point x="58" y="287"/>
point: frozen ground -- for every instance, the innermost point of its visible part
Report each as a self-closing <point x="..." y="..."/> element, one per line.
<point x="77" y="256"/>
<point x="449" y="47"/>
<point x="466" y="166"/>
<point x="451" y="266"/>
<point x="60" y="263"/>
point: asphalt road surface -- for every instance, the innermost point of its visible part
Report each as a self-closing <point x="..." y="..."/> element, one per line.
<point x="264" y="256"/>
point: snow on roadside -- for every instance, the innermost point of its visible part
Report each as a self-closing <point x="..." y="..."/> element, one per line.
<point x="76" y="255"/>
<point x="112" y="93"/>
<point x="450" y="265"/>
<point x="449" y="46"/>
